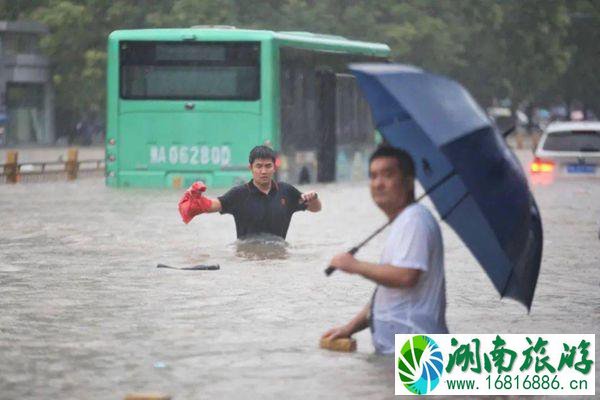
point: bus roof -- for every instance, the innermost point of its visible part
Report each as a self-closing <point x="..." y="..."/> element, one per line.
<point x="293" y="39"/>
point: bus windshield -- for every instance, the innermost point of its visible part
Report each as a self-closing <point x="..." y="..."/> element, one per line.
<point x="190" y="71"/>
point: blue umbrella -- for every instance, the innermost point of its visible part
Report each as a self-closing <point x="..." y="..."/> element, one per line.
<point x="474" y="180"/>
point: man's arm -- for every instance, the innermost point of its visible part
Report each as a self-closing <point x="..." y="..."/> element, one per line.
<point x="383" y="274"/>
<point x="228" y="202"/>
<point x="356" y="324"/>
<point x="313" y="204"/>
<point x="215" y="206"/>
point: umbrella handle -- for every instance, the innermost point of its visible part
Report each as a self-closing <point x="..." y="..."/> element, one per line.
<point x="329" y="270"/>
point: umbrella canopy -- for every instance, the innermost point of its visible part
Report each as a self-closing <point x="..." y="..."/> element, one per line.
<point x="473" y="178"/>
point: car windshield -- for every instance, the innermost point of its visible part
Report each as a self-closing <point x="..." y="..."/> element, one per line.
<point x="573" y="141"/>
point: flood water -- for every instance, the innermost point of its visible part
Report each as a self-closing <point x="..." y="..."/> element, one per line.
<point x="85" y="313"/>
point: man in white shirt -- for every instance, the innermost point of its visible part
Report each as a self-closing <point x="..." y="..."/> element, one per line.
<point x="410" y="296"/>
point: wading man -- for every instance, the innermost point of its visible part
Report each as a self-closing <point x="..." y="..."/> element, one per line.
<point x="259" y="206"/>
<point x="410" y="295"/>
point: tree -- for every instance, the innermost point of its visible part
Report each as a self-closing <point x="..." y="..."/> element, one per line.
<point x="522" y="50"/>
<point x="581" y="79"/>
<point x="480" y="22"/>
<point x="11" y="10"/>
<point x="534" y="52"/>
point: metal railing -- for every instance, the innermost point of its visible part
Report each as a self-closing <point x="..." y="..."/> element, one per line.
<point x="12" y="171"/>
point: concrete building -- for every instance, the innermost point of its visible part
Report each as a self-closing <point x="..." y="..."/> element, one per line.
<point x="26" y="93"/>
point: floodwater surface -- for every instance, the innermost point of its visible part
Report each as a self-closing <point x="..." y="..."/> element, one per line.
<point x="87" y="315"/>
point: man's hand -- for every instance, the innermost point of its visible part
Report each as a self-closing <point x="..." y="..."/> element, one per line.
<point x="308" y="197"/>
<point x="357" y="324"/>
<point x="311" y="199"/>
<point x="193" y="202"/>
<point x="336" y="333"/>
<point x="198" y="187"/>
<point x="345" y="262"/>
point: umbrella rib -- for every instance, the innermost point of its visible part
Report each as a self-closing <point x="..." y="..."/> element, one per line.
<point x="464" y="196"/>
<point x="437" y="185"/>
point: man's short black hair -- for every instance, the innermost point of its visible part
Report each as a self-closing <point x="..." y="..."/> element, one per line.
<point x="405" y="161"/>
<point x="261" y="152"/>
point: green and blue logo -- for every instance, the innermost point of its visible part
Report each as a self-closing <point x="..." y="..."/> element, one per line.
<point x="420" y="364"/>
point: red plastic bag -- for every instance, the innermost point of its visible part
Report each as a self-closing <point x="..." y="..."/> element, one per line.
<point x="193" y="203"/>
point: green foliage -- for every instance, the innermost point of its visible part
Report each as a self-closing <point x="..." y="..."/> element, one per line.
<point x="526" y="50"/>
<point x="14" y="10"/>
<point x="535" y="54"/>
<point x="581" y="79"/>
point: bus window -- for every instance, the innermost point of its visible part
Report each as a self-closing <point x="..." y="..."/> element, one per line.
<point x="352" y="114"/>
<point x="190" y="71"/>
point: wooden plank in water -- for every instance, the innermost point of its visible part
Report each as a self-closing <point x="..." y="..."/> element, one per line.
<point x="147" y="396"/>
<point x="343" y="344"/>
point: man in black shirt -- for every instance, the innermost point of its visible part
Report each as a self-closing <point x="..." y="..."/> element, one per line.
<point x="262" y="205"/>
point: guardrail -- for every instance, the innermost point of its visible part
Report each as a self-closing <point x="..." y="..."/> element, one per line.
<point x="13" y="172"/>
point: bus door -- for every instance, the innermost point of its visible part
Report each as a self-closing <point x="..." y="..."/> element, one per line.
<point x="326" y="143"/>
<point x="345" y="128"/>
<point x="354" y="129"/>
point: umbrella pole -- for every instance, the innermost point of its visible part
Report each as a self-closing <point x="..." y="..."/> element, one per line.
<point x="329" y="270"/>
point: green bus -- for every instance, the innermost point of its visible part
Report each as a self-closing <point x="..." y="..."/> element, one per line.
<point x="189" y="104"/>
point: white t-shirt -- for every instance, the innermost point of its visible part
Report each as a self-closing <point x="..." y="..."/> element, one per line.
<point x="415" y="241"/>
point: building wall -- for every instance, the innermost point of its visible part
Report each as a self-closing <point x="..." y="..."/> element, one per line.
<point x="26" y="93"/>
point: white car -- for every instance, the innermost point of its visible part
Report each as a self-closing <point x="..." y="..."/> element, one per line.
<point x="569" y="149"/>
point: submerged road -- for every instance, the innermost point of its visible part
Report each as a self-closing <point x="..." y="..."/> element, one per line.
<point x="85" y="313"/>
